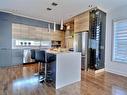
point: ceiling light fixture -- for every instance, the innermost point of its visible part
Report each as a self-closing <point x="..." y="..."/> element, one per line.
<point x="54" y="4"/>
<point x="90" y="6"/>
<point x="49" y="27"/>
<point x="49" y="9"/>
<point x="54" y="26"/>
<point x="61" y="25"/>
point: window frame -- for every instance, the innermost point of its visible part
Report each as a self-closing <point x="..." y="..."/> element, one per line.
<point x="113" y="38"/>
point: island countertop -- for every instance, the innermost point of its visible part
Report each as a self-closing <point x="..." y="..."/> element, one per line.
<point x="57" y="52"/>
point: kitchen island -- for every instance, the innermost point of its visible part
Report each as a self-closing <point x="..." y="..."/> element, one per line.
<point x="67" y="68"/>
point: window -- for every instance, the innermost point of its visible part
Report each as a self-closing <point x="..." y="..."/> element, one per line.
<point x="120" y="41"/>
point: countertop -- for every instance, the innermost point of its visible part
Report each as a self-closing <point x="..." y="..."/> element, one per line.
<point x="57" y="52"/>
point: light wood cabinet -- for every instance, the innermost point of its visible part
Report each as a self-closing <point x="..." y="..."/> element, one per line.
<point x="57" y="35"/>
<point x="45" y="34"/>
<point x="25" y="32"/>
<point x="81" y="22"/>
<point x="16" y="33"/>
<point x="36" y="33"/>
<point x="69" y="42"/>
<point x="69" y="33"/>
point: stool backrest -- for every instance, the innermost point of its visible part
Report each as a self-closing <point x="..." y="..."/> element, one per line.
<point x="33" y="54"/>
<point x="51" y="57"/>
<point x="40" y="56"/>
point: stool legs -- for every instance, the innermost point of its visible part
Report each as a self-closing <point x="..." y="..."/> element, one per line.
<point x="42" y="73"/>
<point x="45" y="71"/>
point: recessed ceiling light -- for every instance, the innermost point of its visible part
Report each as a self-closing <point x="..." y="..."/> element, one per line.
<point x="54" y="4"/>
<point x="90" y="6"/>
<point x="49" y="9"/>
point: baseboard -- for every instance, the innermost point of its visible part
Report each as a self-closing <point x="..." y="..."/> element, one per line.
<point x="116" y="72"/>
<point x="99" y="71"/>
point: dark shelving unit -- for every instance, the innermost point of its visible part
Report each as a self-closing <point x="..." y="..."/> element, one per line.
<point x="96" y="46"/>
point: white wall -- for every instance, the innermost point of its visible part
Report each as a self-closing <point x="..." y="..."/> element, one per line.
<point x="114" y="67"/>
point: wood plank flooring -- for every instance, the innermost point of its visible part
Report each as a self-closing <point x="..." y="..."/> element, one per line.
<point x="20" y="81"/>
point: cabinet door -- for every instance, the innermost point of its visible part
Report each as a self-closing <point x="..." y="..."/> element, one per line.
<point x="24" y="31"/>
<point x="57" y="35"/>
<point x="45" y="34"/>
<point x="38" y="34"/>
<point x="16" y="31"/>
<point x="69" y="43"/>
<point x="81" y="22"/>
<point x="32" y="33"/>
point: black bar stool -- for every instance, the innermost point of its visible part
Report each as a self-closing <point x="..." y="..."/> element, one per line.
<point x="40" y="57"/>
<point x="34" y="59"/>
<point x="49" y="59"/>
<point x="33" y="54"/>
<point x="44" y="59"/>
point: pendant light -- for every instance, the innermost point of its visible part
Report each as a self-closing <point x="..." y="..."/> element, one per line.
<point x="49" y="27"/>
<point x="54" y="26"/>
<point x="61" y="24"/>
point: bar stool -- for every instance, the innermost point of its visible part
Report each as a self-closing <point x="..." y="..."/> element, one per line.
<point x="44" y="59"/>
<point x="40" y="57"/>
<point x="49" y="59"/>
<point x="33" y="54"/>
<point x="33" y="59"/>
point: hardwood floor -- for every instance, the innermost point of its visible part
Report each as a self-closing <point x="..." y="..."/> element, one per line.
<point x="20" y="81"/>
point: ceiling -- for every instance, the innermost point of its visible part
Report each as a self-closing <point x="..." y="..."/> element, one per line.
<point x="64" y="10"/>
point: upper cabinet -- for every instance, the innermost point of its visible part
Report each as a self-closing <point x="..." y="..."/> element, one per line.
<point x="81" y="22"/>
<point x="57" y="35"/>
<point x="69" y="33"/>
<point x="25" y="32"/>
<point x="20" y="31"/>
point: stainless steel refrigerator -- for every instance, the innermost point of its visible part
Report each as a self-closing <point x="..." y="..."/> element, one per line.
<point x="80" y="45"/>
